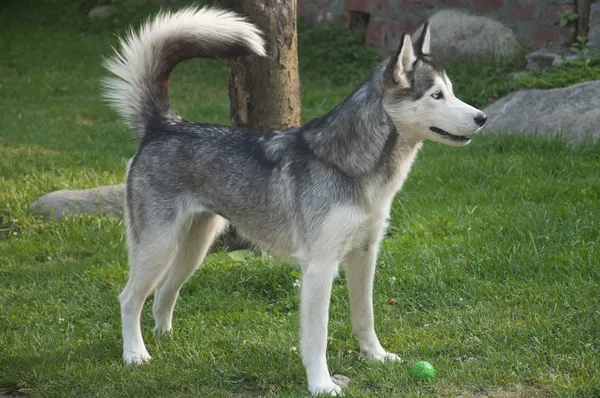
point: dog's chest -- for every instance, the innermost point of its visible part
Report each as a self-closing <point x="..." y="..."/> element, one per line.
<point x="381" y="191"/>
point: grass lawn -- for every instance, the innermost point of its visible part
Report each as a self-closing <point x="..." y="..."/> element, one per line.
<point x="492" y="258"/>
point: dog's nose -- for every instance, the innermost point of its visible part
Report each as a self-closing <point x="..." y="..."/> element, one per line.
<point x="480" y="119"/>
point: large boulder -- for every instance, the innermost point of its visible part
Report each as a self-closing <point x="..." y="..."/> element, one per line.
<point x="107" y="201"/>
<point x="456" y="34"/>
<point x="572" y="113"/>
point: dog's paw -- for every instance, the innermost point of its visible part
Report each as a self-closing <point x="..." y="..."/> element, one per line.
<point x="327" y="389"/>
<point x="390" y="357"/>
<point x="381" y="356"/>
<point x="136" y="358"/>
<point x="162" y="331"/>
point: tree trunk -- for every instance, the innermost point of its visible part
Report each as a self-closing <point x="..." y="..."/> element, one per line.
<point x="583" y="14"/>
<point x="264" y="93"/>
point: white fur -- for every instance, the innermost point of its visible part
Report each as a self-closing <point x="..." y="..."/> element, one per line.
<point x="165" y="258"/>
<point x="343" y="236"/>
<point x="406" y="58"/>
<point x="136" y="63"/>
<point x="415" y="118"/>
<point x="426" y="42"/>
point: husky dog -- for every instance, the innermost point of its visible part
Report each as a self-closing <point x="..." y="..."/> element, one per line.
<point x="319" y="194"/>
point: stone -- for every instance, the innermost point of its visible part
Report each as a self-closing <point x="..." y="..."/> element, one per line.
<point x="456" y="34"/>
<point x="542" y="58"/>
<point x="571" y="113"/>
<point x="106" y="201"/>
<point x="341" y="380"/>
<point x="101" y="12"/>
<point x="548" y="57"/>
<point x="594" y="23"/>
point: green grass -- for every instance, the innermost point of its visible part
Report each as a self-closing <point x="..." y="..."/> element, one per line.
<point x="492" y="256"/>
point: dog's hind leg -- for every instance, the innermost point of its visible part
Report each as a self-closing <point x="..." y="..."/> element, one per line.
<point x="150" y="255"/>
<point x="193" y="245"/>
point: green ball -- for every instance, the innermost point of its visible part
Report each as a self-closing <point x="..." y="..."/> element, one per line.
<point x="422" y="370"/>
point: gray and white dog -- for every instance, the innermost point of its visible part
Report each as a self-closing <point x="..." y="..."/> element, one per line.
<point x="319" y="194"/>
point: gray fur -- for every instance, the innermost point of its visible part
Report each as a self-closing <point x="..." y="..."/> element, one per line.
<point x="319" y="193"/>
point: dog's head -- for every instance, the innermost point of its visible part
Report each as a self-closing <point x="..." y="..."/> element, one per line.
<point x="418" y="96"/>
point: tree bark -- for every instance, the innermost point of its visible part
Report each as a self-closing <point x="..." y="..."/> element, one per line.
<point x="264" y="92"/>
<point x="583" y="14"/>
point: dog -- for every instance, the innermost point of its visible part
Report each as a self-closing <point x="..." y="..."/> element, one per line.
<point x="319" y="194"/>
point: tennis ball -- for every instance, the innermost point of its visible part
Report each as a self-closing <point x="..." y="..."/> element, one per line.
<point x="422" y="370"/>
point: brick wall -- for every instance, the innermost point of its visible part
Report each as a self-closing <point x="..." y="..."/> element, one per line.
<point x="534" y="21"/>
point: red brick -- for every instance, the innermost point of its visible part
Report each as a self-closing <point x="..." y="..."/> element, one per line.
<point x="488" y="4"/>
<point x="420" y="4"/>
<point x="344" y="20"/>
<point x="407" y="25"/>
<point x="526" y="11"/>
<point x="390" y="34"/>
<point x="554" y="11"/>
<point x="358" y="5"/>
<point x="452" y="2"/>
<point x="382" y="5"/>
<point x="300" y="9"/>
<point x="394" y="30"/>
<point x="552" y="35"/>
<point x="375" y="32"/>
<point x="306" y="10"/>
<point x="410" y="6"/>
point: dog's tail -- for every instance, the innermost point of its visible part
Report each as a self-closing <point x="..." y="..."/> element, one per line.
<point x="138" y="91"/>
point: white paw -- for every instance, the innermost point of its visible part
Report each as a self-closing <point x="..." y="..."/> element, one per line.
<point x="326" y="389"/>
<point x="161" y="330"/>
<point x="136" y="358"/>
<point x="391" y="357"/>
<point x="381" y="356"/>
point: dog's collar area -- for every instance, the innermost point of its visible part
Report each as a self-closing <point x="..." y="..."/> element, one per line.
<point x="460" y="138"/>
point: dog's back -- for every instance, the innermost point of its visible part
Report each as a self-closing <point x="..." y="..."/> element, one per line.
<point x="320" y="193"/>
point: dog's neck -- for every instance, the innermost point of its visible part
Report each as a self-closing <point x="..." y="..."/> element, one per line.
<point x="358" y="136"/>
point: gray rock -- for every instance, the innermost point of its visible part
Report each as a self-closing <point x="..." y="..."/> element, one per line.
<point x="341" y="381"/>
<point x="101" y="12"/>
<point x="571" y="113"/>
<point x="456" y="34"/>
<point x="107" y="201"/>
<point x="550" y="57"/>
<point x="543" y="58"/>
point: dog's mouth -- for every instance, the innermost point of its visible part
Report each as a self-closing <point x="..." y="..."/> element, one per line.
<point x="452" y="137"/>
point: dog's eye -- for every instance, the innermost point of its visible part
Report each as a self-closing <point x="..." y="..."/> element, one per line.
<point x="437" y="95"/>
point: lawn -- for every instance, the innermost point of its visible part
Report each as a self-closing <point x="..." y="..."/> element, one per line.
<point x="490" y="268"/>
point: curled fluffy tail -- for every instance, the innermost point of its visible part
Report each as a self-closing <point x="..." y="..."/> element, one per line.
<point x="138" y="91"/>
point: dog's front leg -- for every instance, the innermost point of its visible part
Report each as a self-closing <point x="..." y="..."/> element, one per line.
<point x="317" y="280"/>
<point x="360" y="272"/>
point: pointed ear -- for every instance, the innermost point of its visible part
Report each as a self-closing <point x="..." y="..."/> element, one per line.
<point x="404" y="60"/>
<point x="423" y="43"/>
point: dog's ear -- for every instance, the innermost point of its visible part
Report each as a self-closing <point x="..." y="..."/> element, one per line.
<point x="423" y="43"/>
<point x="404" y="60"/>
